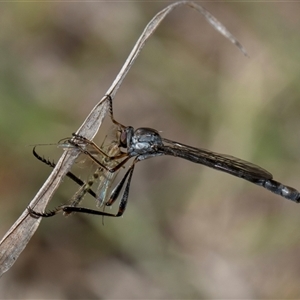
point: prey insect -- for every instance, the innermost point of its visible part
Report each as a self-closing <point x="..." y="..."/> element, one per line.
<point x="102" y="175"/>
<point x="144" y="143"/>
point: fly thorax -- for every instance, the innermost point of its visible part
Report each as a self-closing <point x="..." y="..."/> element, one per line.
<point x="144" y="141"/>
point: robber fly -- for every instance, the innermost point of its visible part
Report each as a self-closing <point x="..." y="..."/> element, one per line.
<point x="144" y="143"/>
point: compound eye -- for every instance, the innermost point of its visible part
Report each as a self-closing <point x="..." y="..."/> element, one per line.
<point x="123" y="139"/>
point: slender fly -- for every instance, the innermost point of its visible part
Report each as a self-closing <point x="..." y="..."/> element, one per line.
<point x="145" y="143"/>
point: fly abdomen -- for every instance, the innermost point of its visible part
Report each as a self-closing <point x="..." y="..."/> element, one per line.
<point x="281" y="189"/>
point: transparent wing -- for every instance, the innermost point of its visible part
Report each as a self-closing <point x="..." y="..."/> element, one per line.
<point x="106" y="178"/>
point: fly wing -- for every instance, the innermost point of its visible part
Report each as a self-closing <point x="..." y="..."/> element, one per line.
<point x="105" y="182"/>
<point x="221" y="162"/>
<point x="106" y="178"/>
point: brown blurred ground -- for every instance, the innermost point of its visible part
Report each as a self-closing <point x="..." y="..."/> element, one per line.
<point x="188" y="232"/>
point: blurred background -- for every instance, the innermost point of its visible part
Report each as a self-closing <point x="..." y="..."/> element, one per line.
<point x="188" y="231"/>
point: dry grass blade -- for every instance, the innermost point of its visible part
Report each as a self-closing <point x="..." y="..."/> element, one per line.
<point x="152" y="26"/>
<point x="20" y="233"/>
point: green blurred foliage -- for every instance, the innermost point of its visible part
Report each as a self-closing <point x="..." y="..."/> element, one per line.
<point x="188" y="232"/>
